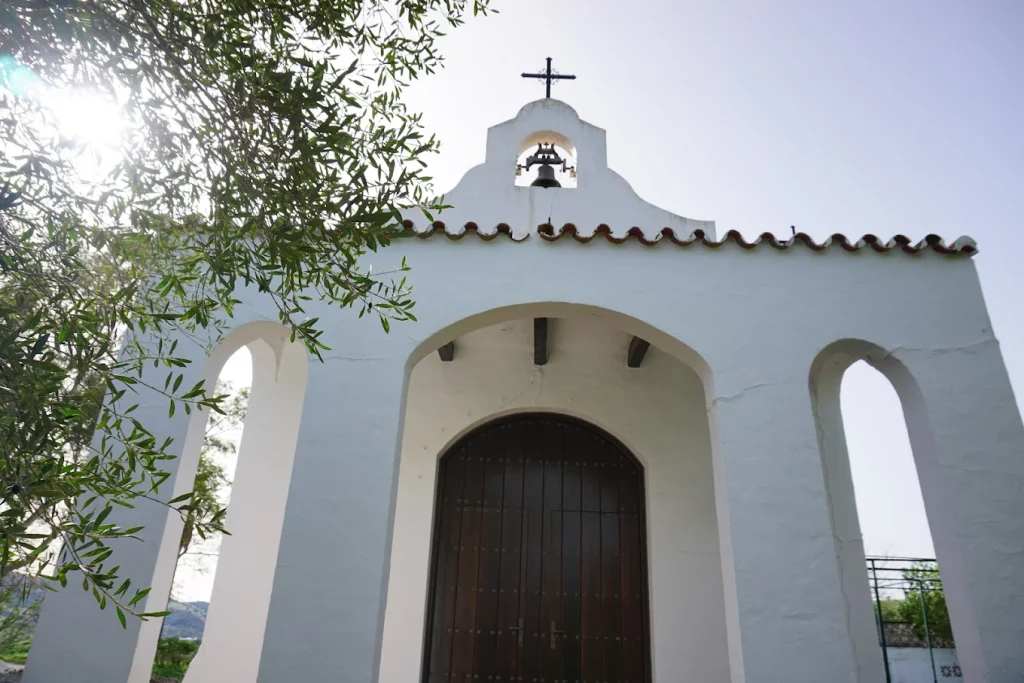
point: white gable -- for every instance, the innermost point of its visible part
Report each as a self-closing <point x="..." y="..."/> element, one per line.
<point x="487" y="195"/>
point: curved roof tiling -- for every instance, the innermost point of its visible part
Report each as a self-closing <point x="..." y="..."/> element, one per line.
<point x="439" y="226"/>
<point x="960" y="246"/>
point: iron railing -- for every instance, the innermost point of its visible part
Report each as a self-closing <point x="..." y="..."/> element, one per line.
<point x="904" y="578"/>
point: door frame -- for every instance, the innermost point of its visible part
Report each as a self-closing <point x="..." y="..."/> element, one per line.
<point x="435" y="546"/>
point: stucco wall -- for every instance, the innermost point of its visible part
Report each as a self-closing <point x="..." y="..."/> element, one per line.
<point x="754" y="320"/>
<point x="914" y="665"/>
<point x="656" y="410"/>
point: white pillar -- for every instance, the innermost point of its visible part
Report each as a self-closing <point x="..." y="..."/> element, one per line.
<point x="74" y="640"/>
<point x="233" y="636"/>
<point x="327" y="610"/>
<point x="968" y="442"/>
<point x="784" y="608"/>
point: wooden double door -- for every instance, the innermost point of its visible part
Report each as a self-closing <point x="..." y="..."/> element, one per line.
<point x="539" y="564"/>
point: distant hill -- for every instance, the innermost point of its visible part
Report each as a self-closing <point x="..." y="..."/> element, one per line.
<point x="186" y="620"/>
<point x="19" y="593"/>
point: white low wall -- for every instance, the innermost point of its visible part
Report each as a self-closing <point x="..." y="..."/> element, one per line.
<point x="913" y="665"/>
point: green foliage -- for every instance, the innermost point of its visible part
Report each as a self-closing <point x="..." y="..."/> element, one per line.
<point x="266" y="145"/>
<point x="173" y="656"/>
<point x="926" y="577"/>
<point x="19" y="610"/>
<point x="211" y="479"/>
<point x="890" y="610"/>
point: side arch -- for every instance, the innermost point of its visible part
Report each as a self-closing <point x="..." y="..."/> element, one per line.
<point x="233" y="636"/>
<point x="826" y="374"/>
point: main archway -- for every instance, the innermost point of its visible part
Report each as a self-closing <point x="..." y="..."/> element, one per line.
<point x="539" y="567"/>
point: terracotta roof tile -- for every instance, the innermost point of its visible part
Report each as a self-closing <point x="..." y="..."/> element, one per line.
<point x="438" y="226"/>
<point x="548" y="232"/>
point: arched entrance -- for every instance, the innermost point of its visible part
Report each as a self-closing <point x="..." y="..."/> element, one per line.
<point x="539" y="567"/>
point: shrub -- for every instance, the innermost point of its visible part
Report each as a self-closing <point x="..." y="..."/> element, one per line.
<point x="173" y="656"/>
<point x="19" y="609"/>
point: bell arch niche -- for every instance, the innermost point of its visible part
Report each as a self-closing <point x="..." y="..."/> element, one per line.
<point x="546" y="159"/>
<point x="539" y="561"/>
<point x="601" y="196"/>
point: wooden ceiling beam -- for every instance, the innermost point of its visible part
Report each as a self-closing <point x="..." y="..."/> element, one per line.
<point x="540" y="341"/>
<point x="637" y="350"/>
<point x="447" y="352"/>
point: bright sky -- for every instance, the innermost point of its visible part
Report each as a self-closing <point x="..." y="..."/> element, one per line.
<point x="860" y="117"/>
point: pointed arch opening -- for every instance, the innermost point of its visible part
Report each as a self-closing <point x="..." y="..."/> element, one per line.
<point x="247" y="557"/>
<point x="886" y="512"/>
<point x="196" y="568"/>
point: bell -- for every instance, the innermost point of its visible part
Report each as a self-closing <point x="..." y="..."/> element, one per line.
<point x="545" y="177"/>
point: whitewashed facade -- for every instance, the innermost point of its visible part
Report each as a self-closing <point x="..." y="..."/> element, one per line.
<point x="754" y="563"/>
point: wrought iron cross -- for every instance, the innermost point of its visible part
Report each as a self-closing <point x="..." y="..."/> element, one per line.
<point x="548" y="75"/>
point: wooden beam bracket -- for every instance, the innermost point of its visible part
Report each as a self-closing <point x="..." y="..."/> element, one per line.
<point x="637" y="350"/>
<point x="540" y="341"/>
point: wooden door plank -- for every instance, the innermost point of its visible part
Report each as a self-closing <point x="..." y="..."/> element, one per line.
<point x="571" y="559"/>
<point x="611" y="471"/>
<point x="571" y="474"/>
<point x="446" y="567"/>
<point x="494" y="471"/>
<point x="551" y="435"/>
<point x="611" y="598"/>
<point x="611" y="575"/>
<point x="590" y="599"/>
<point x="571" y="589"/>
<point x="464" y="639"/>
<point x="551" y="600"/>
<point x="486" y="650"/>
<point x="550" y="438"/>
<point x="590" y="472"/>
<point x="533" y="502"/>
<point x="511" y="553"/>
<point x="485" y="654"/>
<point x="634" y="657"/>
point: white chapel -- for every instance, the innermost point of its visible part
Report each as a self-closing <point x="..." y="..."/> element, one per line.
<point x="609" y="450"/>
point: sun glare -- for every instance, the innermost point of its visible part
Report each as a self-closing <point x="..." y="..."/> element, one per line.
<point x="86" y="117"/>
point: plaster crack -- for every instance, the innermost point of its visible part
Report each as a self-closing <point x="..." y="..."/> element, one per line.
<point x="537" y="376"/>
<point x="972" y="347"/>
<point x="355" y="359"/>
<point x="731" y="397"/>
